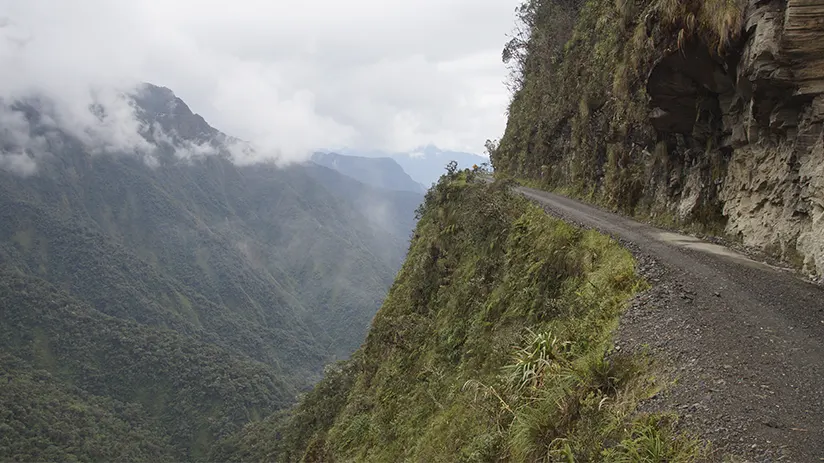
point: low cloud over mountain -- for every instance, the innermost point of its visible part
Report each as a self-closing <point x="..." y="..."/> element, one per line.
<point x="289" y="78"/>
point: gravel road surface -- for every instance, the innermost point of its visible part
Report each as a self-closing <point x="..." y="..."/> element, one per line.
<point x="741" y="343"/>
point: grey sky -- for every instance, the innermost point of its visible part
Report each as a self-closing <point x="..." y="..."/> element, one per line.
<point x="288" y="75"/>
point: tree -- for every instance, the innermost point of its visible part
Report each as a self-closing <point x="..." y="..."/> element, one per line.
<point x="451" y="168"/>
<point x="490" y="146"/>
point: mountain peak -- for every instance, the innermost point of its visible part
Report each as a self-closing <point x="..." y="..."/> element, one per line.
<point x="161" y="105"/>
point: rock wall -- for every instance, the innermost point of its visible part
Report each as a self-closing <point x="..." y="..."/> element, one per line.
<point x="709" y="112"/>
<point x="773" y="193"/>
<point x="762" y="106"/>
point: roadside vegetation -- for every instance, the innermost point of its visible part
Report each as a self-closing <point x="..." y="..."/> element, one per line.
<point x="494" y="344"/>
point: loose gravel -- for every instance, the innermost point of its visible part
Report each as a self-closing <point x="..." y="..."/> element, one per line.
<point x="739" y="344"/>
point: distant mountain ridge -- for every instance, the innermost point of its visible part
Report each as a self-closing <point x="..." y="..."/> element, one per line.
<point x="427" y="163"/>
<point x="382" y="172"/>
<point x="385" y="209"/>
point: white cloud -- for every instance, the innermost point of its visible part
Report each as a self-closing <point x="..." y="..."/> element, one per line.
<point x="183" y="149"/>
<point x="103" y="119"/>
<point x="20" y="147"/>
<point x="18" y="163"/>
<point x="289" y="75"/>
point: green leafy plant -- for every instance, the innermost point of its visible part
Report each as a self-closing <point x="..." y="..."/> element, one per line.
<point x="543" y="355"/>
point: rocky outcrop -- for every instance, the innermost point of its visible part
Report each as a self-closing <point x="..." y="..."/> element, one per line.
<point x="774" y="189"/>
<point x="802" y="45"/>
<point x="762" y="109"/>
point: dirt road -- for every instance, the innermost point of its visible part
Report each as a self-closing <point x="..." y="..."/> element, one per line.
<point x="742" y="343"/>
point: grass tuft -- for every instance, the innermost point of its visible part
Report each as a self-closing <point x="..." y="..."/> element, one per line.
<point x="717" y="23"/>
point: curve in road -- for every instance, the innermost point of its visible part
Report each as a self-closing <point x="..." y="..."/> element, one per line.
<point x="742" y="341"/>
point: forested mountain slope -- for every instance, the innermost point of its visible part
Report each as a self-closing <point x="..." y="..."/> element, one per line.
<point x="494" y="344"/>
<point x="186" y="294"/>
<point x="704" y="113"/>
<point x="383" y="172"/>
<point x="393" y="211"/>
<point x="180" y="390"/>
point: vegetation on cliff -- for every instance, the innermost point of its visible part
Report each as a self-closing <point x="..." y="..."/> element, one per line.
<point x="579" y="119"/>
<point x="494" y="344"/>
<point x="700" y="114"/>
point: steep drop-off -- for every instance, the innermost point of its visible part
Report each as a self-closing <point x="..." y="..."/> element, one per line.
<point x="494" y="344"/>
<point x="692" y="112"/>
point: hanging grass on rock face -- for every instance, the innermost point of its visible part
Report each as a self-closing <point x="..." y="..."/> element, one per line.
<point x="715" y="22"/>
<point x="494" y="344"/>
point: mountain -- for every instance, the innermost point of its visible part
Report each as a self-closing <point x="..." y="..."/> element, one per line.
<point x="171" y="292"/>
<point x="388" y="210"/>
<point x="383" y="173"/>
<point x="427" y="163"/>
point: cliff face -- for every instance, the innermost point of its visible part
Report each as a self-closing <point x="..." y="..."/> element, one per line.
<point x="707" y="113"/>
<point x="774" y="188"/>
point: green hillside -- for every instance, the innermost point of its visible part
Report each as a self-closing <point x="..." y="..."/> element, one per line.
<point x="183" y="391"/>
<point x="176" y="301"/>
<point x="44" y="419"/>
<point x="494" y="344"/>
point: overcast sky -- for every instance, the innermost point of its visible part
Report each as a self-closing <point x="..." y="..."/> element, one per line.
<point x="293" y="75"/>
